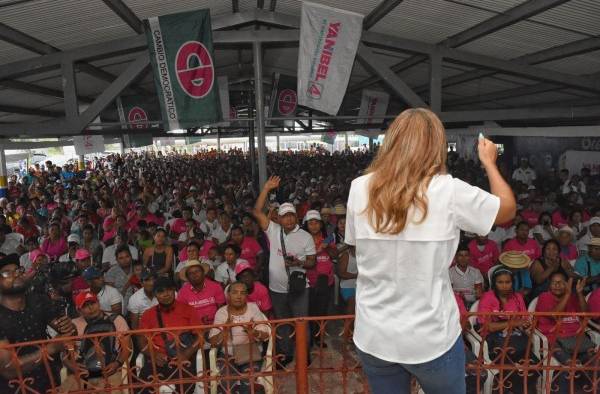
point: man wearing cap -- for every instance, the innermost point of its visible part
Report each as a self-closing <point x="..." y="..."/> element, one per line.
<point x="88" y="306"/>
<point x="73" y="241"/>
<point x="110" y="299"/>
<point x="588" y="265"/>
<point x="593" y="232"/>
<point x="24" y="317"/>
<point x="524" y="173"/>
<point x="300" y="255"/>
<point x="142" y="300"/>
<point x="257" y="292"/>
<point x="172" y="314"/>
<point x="199" y="292"/>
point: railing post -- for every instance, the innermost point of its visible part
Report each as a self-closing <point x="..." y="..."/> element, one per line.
<point x="301" y="356"/>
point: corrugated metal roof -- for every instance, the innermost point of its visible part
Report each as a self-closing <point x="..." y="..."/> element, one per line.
<point x="582" y="64"/>
<point x="577" y="15"/>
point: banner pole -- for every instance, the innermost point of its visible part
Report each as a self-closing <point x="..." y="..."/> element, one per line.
<point x="260" y="113"/>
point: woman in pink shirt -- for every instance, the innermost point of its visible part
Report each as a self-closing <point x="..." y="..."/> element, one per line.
<point x="502" y="298"/>
<point x="251" y="250"/>
<point x="320" y="277"/>
<point x="55" y="245"/>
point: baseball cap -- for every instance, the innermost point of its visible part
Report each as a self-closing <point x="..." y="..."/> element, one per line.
<point x="91" y="273"/>
<point x="146" y="274"/>
<point x="84" y="297"/>
<point x="74" y="238"/>
<point x="241" y="267"/>
<point x="34" y="254"/>
<point x="595" y="220"/>
<point x="286" y="208"/>
<point x="312" y="215"/>
<point x="82" y="254"/>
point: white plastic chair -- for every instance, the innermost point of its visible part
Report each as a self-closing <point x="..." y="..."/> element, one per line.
<point x="491" y="272"/>
<point x="476" y="342"/>
<point x="267" y="365"/>
<point x="172" y="388"/>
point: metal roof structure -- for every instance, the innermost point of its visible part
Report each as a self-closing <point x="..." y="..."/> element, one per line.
<point x="514" y="62"/>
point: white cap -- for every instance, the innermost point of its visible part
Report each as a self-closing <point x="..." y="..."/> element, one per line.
<point x="312" y="215"/>
<point x="594" y="220"/>
<point x="566" y="229"/>
<point x="74" y="238"/>
<point x="286" y="208"/>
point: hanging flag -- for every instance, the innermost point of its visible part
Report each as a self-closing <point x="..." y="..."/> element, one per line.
<point x="181" y="51"/>
<point x="329" y="39"/>
<point x="372" y="104"/>
<point x="86" y="144"/>
<point x="137" y="113"/>
<point x="223" y="83"/>
<point x="329" y="137"/>
<point x="284" y="99"/>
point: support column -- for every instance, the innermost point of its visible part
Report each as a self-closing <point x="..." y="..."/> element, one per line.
<point x="345" y="140"/>
<point x="435" y="82"/>
<point x="260" y="114"/>
<point x="277" y="142"/>
<point x="81" y="163"/>
<point x="219" y="141"/>
<point x="122" y="146"/>
<point x="3" y="173"/>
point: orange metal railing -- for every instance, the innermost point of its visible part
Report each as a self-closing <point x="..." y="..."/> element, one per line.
<point x="324" y="360"/>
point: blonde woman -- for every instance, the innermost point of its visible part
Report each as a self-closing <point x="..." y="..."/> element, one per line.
<point x="404" y="217"/>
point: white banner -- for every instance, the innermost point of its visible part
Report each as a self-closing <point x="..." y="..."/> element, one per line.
<point x="223" y="83"/>
<point x="372" y="104"/>
<point x="329" y="39"/>
<point x="85" y="144"/>
<point x="575" y="160"/>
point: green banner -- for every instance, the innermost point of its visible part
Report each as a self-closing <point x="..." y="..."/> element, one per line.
<point x="181" y="50"/>
<point x="136" y="113"/>
<point x="284" y="99"/>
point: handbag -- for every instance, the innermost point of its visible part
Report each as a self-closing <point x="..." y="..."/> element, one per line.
<point x="296" y="279"/>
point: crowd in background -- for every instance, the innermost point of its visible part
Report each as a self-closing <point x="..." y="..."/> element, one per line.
<point x="147" y="240"/>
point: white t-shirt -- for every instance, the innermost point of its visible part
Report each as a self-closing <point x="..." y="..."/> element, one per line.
<point x="11" y="243"/>
<point x="224" y="273"/>
<point x="109" y="254"/>
<point x="527" y="176"/>
<point x="109" y="296"/>
<point x="405" y="308"/>
<point x="298" y="243"/>
<point x="139" y="302"/>
<point x="239" y="335"/>
<point x="351" y="268"/>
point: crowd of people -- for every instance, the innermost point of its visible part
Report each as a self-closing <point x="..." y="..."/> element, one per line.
<point x="151" y="240"/>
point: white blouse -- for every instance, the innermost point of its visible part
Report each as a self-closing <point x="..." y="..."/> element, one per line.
<point x="405" y="308"/>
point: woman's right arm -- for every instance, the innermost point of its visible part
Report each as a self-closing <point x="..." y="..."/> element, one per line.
<point x="343" y="267"/>
<point x="540" y="275"/>
<point x="488" y="154"/>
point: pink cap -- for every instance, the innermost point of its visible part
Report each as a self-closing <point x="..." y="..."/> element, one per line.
<point x="242" y="265"/>
<point x="82" y="254"/>
<point x="34" y="254"/>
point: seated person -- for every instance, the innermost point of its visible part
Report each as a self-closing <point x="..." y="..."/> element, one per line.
<point x="484" y="254"/>
<point x="257" y="292"/>
<point x="518" y="263"/>
<point x="466" y="280"/>
<point x="562" y="336"/>
<point x="115" y="351"/>
<point x="549" y="263"/>
<point x="239" y="345"/>
<point x="523" y="243"/>
<point x="588" y="265"/>
<point x="566" y="238"/>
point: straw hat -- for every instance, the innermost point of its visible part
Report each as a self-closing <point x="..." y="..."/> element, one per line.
<point x="594" y="242"/>
<point x="339" y="209"/>
<point x="192" y="263"/>
<point x="515" y="260"/>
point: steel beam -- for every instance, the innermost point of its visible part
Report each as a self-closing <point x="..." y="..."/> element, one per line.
<point x="69" y="84"/>
<point x="435" y="82"/>
<point x="504" y="94"/>
<point x="112" y="92"/>
<point x="495" y="23"/>
<point x="38" y="90"/>
<point x="379" y="12"/>
<point x="520" y="114"/>
<point x="250" y="36"/>
<point x="126" y="14"/>
<point x="235" y="6"/>
<point x="22" y="40"/>
<point x="391" y="80"/>
<point x="273" y="5"/>
<point x="260" y="116"/>
<point x="30" y="111"/>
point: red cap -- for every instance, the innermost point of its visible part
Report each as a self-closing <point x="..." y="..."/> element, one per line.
<point x="82" y="254"/>
<point x="241" y="266"/>
<point x="84" y="297"/>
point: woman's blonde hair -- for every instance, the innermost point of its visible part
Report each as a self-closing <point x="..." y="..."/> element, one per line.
<point x="413" y="151"/>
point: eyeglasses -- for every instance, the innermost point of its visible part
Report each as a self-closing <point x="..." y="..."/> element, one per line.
<point x="7" y="274"/>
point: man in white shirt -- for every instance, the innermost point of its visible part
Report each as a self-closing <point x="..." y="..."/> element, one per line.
<point x="109" y="256"/>
<point x="11" y="243"/>
<point x="141" y="300"/>
<point x="296" y="255"/>
<point x="111" y="301"/>
<point x="466" y="280"/>
<point x="524" y="173"/>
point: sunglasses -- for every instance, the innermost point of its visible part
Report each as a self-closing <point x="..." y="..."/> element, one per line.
<point x="8" y="274"/>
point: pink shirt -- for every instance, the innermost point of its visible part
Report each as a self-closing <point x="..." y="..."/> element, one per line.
<point x="569" y="325"/>
<point x="559" y="220"/>
<point x="250" y="249"/>
<point x="530" y="248"/>
<point x="206" y="246"/>
<point x="324" y="266"/>
<point x="530" y="217"/>
<point x="570" y="252"/>
<point x="54" y="249"/>
<point x="486" y="258"/>
<point x="79" y="285"/>
<point x="490" y="303"/>
<point x="178" y="226"/>
<point x="205" y="301"/>
<point x="260" y="296"/>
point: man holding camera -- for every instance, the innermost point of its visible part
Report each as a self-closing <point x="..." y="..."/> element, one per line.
<point x="292" y="251"/>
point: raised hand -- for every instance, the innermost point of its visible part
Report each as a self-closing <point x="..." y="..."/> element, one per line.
<point x="488" y="152"/>
<point x="272" y="183"/>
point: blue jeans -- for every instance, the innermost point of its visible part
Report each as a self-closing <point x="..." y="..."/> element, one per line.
<point x="444" y="375"/>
